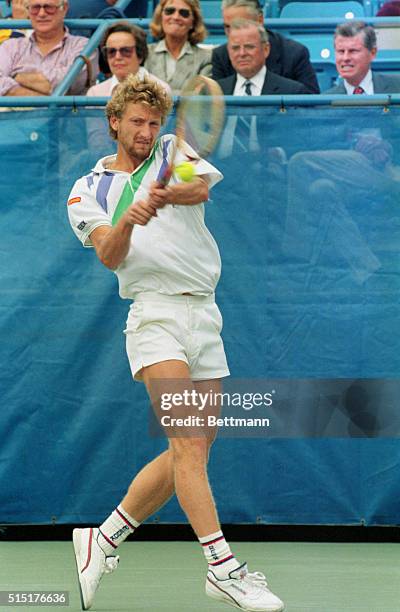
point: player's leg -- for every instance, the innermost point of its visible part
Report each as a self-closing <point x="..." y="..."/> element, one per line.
<point x="153" y="486"/>
<point x="189" y="455"/>
<point x="228" y="581"/>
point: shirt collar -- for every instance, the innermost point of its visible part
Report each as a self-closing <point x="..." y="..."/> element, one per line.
<point x="113" y="82"/>
<point x="257" y="80"/>
<point x="366" y="84"/>
<point x="66" y="35"/>
<point x="102" y="165"/>
<point x="161" y="47"/>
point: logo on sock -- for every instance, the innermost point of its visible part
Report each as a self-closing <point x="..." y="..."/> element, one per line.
<point x="119" y="533"/>
<point x="212" y="552"/>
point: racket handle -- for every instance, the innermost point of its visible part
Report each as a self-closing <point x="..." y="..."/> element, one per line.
<point x="164" y="179"/>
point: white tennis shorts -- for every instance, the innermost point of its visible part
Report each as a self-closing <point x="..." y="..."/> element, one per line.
<point x="183" y="327"/>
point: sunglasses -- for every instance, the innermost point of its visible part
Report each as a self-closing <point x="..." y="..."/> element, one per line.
<point x="50" y="9"/>
<point x="111" y="52"/>
<point x="170" y="10"/>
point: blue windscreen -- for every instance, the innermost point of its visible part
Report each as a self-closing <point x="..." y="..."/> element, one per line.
<point x="308" y="228"/>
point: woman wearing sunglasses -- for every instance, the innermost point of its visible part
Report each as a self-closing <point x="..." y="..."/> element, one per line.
<point x="124" y="49"/>
<point x="177" y="57"/>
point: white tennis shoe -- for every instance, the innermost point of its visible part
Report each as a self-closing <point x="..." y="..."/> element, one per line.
<point x="91" y="563"/>
<point x="244" y="591"/>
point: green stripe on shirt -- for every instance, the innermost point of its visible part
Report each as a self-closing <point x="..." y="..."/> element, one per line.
<point x="131" y="187"/>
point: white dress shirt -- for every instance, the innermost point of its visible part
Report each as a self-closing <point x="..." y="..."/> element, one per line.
<point x="367" y="85"/>
<point x="257" y="82"/>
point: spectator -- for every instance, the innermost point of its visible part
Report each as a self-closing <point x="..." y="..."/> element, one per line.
<point x="93" y="8"/>
<point x="355" y="49"/>
<point x="124" y="48"/>
<point x="18" y="11"/>
<point x="177" y="56"/>
<point x="248" y="49"/>
<point x="287" y="57"/>
<point x="389" y="9"/>
<point x="34" y="65"/>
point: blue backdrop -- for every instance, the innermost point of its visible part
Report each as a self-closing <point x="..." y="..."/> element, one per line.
<point x="309" y="232"/>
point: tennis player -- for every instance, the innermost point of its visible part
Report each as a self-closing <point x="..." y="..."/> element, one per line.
<point x="154" y="238"/>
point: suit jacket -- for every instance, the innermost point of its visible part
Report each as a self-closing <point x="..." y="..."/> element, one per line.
<point x="287" y="58"/>
<point x="383" y="83"/>
<point x="273" y="85"/>
<point x="194" y="61"/>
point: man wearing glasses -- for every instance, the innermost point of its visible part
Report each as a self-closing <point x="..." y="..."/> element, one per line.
<point x="33" y="66"/>
<point x="287" y="58"/>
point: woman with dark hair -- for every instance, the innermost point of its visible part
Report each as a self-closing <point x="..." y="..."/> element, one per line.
<point x="177" y="57"/>
<point x="124" y="49"/>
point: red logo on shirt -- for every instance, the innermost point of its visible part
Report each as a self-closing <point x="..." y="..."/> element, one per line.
<point x="74" y="201"/>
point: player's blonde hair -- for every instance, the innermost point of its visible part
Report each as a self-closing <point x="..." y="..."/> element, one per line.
<point x="139" y="91"/>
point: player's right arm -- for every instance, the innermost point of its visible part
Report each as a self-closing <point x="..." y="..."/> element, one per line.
<point x="92" y="223"/>
<point x="112" y="243"/>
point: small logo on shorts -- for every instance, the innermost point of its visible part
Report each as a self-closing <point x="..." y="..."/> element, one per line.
<point x="81" y="225"/>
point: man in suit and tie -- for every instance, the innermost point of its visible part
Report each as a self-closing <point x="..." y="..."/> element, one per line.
<point x="246" y="137"/>
<point x="248" y="49"/>
<point x="286" y="57"/>
<point x="355" y="49"/>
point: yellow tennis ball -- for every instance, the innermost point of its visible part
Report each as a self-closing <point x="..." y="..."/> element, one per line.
<point x="185" y="171"/>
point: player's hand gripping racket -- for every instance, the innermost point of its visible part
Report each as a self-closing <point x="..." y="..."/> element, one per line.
<point x="199" y="120"/>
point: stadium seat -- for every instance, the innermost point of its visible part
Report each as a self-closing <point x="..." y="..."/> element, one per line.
<point x="322" y="56"/>
<point x="211" y="9"/>
<point x="377" y="5"/>
<point x="320" y="46"/>
<point x="326" y="74"/>
<point x="272" y="9"/>
<point x="347" y="9"/>
<point x="5" y="10"/>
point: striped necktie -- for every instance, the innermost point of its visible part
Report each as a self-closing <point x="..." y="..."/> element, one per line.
<point x="358" y="90"/>
<point x="247" y="88"/>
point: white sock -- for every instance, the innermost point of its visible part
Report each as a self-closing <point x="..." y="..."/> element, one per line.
<point x="218" y="554"/>
<point x="115" y="530"/>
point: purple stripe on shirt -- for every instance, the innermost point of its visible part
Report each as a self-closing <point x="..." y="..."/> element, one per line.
<point x="89" y="180"/>
<point x="103" y="189"/>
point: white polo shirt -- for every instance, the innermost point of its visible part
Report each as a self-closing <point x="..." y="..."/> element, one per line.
<point x="174" y="253"/>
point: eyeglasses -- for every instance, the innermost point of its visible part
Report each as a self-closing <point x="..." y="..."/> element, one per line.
<point x="50" y="9"/>
<point x="170" y="10"/>
<point x="249" y="48"/>
<point x="111" y="52"/>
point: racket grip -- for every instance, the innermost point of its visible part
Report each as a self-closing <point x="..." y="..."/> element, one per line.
<point x="165" y="177"/>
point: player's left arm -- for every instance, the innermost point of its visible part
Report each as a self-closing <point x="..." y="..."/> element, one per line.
<point x="193" y="192"/>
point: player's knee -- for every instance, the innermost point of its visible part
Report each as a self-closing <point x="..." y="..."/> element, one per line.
<point x="190" y="450"/>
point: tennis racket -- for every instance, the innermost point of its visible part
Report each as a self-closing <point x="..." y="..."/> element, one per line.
<point x="199" y="120"/>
